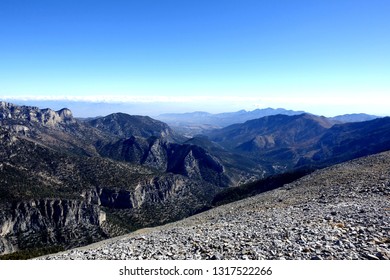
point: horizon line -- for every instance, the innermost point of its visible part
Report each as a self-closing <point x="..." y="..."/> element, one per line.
<point x="135" y="100"/>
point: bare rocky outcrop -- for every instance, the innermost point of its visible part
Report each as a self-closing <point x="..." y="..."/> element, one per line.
<point x="155" y="190"/>
<point x="46" y="222"/>
<point x="46" y="117"/>
<point x="151" y="201"/>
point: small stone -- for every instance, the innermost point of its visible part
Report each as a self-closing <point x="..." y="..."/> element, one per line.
<point x="370" y="229"/>
<point x="371" y="257"/>
<point x="382" y="256"/>
<point x="216" y="257"/>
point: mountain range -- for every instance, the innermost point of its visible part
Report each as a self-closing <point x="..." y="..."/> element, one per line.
<point x="200" y="122"/>
<point x="66" y="182"/>
<point x="291" y="141"/>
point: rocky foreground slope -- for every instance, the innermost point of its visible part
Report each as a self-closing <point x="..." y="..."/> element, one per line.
<point x="341" y="212"/>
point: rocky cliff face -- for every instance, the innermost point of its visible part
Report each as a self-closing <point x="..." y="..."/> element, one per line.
<point x="153" y="190"/>
<point x="55" y="129"/>
<point x="29" y="223"/>
<point x="46" y="117"/>
<point x="76" y="222"/>
<point x="153" y="201"/>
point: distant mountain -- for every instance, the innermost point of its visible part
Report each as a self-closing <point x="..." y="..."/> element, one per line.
<point x="290" y="141"/>
<point x="280" y="140"/>
<point x="223" y="119"/>
<point x="199" y="122"/>
<point x="354" y="118"/>
<point x="271" y="131"/>
<point x="243" y="116"/>
<point x="351" y="140"/>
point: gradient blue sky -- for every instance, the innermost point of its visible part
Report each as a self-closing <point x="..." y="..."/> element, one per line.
<point x="326" y="57"/>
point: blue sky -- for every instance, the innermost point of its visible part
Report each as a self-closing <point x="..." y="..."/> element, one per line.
<point x="326" y="57"/>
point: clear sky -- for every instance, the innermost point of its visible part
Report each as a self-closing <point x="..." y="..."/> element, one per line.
<point x="326" y="57"/>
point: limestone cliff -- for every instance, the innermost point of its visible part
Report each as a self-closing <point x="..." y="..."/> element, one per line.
<point x="46" y="117"/>
<point x="49" y="222"/>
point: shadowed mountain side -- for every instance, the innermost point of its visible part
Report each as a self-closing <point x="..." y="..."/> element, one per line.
<point x="352" y="140"/>
<point x="240" y="168"/>
<point x="189" y="160"/>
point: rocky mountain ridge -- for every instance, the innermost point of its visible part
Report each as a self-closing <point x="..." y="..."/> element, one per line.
<point x="46" y="117"/>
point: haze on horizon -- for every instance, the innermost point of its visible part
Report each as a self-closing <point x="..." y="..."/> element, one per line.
<point x="152" y="57"/>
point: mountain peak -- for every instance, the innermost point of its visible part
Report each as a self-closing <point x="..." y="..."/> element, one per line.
<point x="124" y="125"/>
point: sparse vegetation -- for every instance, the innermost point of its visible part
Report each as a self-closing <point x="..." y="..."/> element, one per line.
<point x="32" y="253"/>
